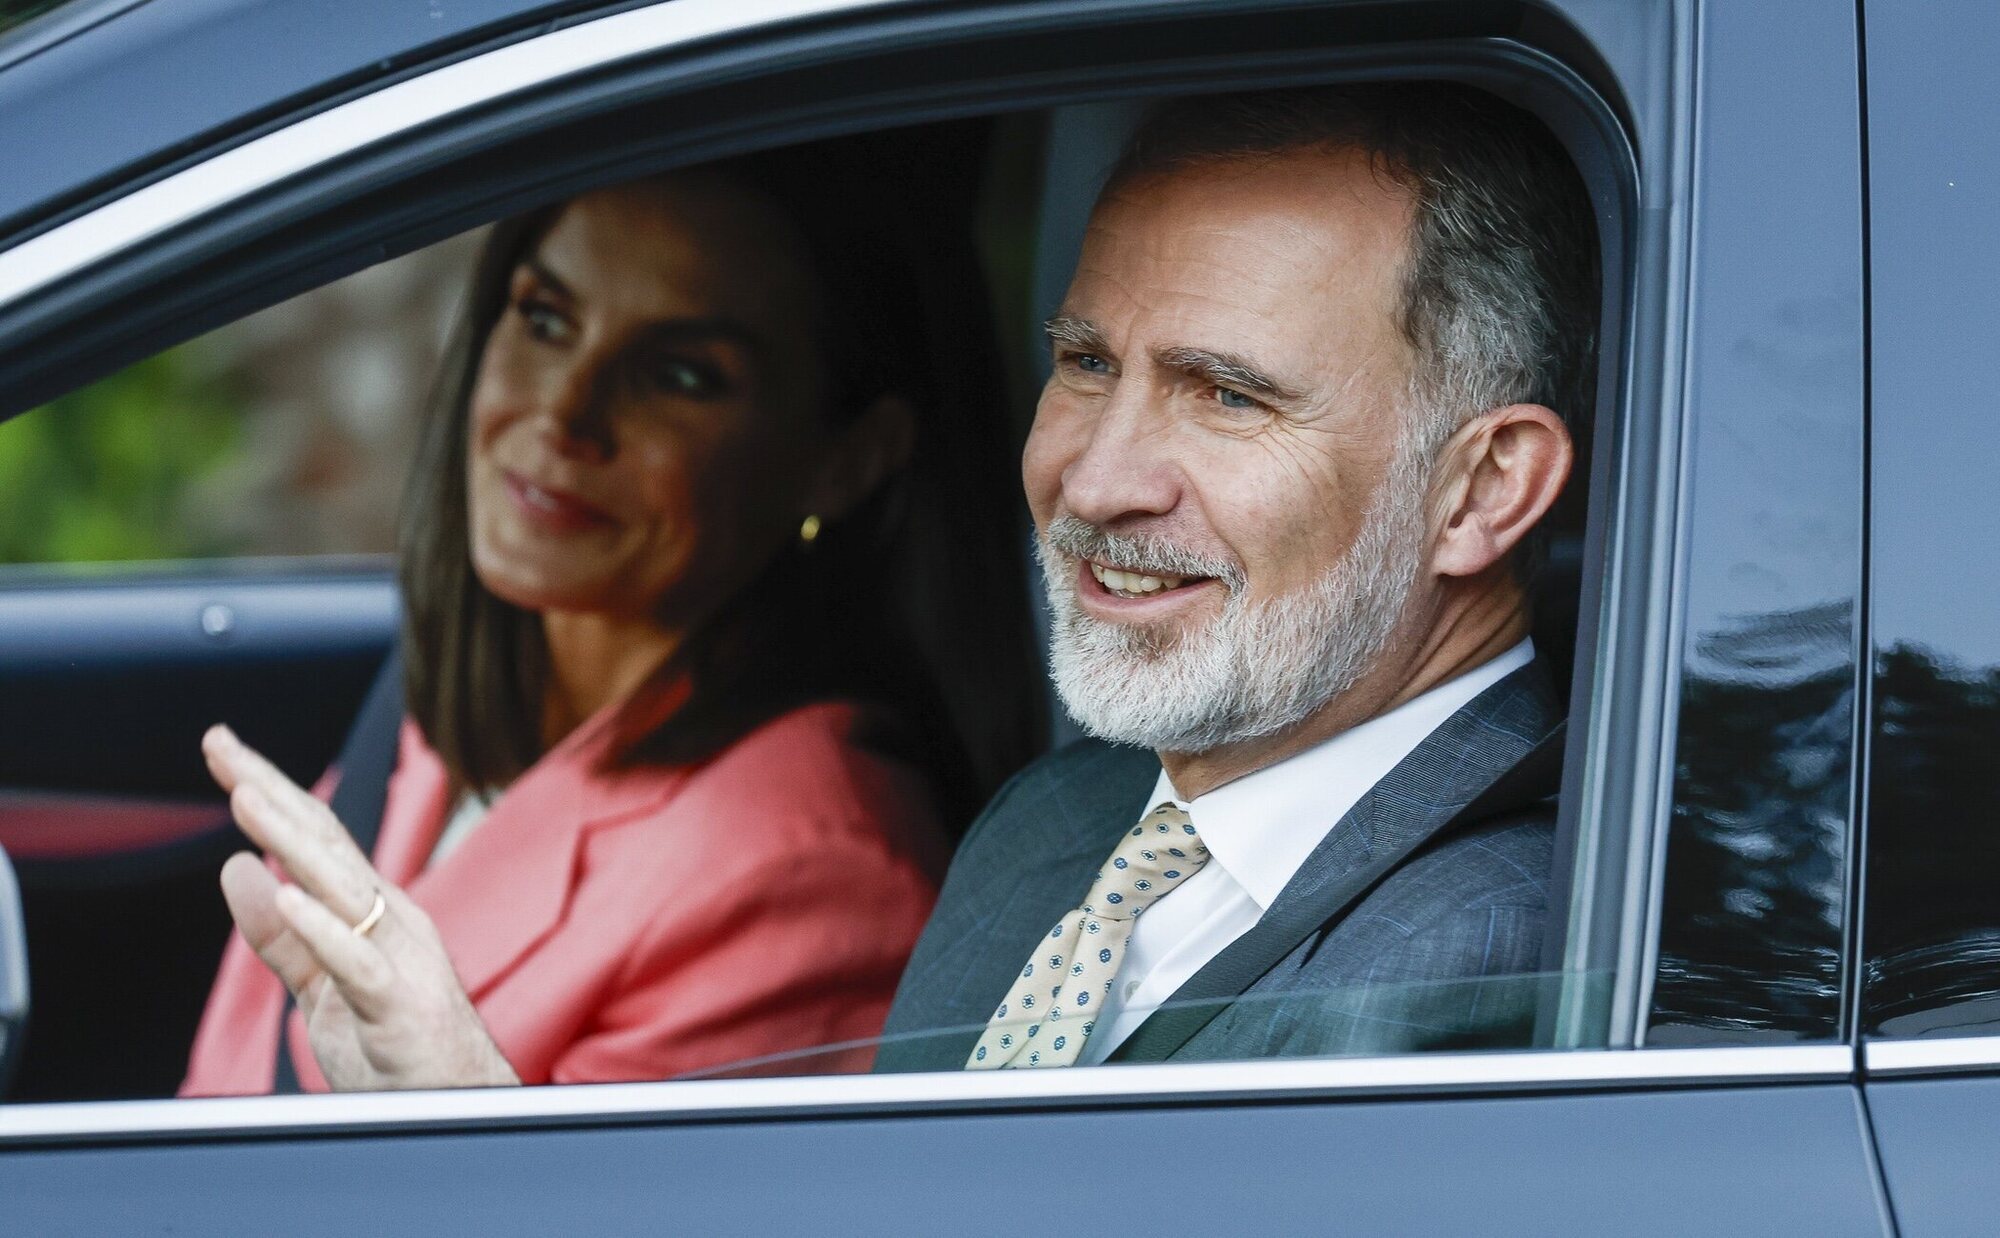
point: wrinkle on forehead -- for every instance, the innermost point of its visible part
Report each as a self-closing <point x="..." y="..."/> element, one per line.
<point x="1302" y="254"/>
<point x="1332" y="205"/>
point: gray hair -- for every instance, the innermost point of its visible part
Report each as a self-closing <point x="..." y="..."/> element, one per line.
<point x="1500" y="285"/>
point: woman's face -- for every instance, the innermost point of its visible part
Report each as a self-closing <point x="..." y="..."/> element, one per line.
<point x="644" y="417"/>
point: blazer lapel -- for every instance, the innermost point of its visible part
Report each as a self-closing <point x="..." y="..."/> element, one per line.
<point x="1503" y="750"/>
<point x="1042" y="868"/>
<point x="508" y="885"/>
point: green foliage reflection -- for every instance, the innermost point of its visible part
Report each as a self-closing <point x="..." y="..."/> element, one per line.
<point x="20" y="12"/>
<point x="114" y="471"/>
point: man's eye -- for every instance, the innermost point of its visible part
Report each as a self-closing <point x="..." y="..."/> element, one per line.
<point x="1234" y="399"/>
<point x="1089" y="363"/>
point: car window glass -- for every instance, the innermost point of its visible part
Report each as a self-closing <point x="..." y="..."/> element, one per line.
<point x="288" y="435"/>
<point x="1933" y="923"/>
<point x="1754" y="896"/>
<point x="284" y="434"/>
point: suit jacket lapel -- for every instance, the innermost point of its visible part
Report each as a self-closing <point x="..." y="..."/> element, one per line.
<point x="1502" y="750"/>
<point x="1040" y="869"/>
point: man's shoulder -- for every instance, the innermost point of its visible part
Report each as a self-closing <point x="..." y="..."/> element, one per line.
<point x="1503" y="860"/>
<point x="1444" y="953"/>
<point x="1077" y="776"/>
<point x="1475" y="902"/>
<point x="1087" y="758"/>
<point x="1072" y="800"/>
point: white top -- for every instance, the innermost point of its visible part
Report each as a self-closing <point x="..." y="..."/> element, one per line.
<point x="1259" y="829"/>
<point x="465" y="817"/>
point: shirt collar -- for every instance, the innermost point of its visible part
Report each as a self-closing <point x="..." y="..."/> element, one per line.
<point x="1261" y="827"/>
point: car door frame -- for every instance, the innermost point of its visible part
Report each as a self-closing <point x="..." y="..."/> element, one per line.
<point x="1616" y="788"/>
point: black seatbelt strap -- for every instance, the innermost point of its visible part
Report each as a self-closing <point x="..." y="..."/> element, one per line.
<point x="365" y="763"/>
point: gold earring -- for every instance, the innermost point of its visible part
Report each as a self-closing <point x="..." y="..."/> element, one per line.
<point x="808" y="532"/>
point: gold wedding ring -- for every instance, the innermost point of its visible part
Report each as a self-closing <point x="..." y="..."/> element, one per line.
<point x="374" y="916"/>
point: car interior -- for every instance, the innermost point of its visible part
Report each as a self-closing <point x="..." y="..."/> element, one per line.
<point x="112" y="672"/>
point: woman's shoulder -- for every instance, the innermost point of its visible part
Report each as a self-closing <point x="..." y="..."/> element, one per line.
<point x="822" y="767"/>
<point x="834" y="729"/>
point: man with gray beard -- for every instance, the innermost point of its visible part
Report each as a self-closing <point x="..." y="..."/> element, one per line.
<point x="1304" y="417"/>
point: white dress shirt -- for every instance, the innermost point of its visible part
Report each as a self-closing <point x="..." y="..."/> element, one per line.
<point x="1259" y="829"/>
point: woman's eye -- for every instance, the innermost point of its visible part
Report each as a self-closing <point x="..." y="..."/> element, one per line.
<point x="686" y="378"/>
<point x="1234" y="399"/>
<point x="544" y="321"/>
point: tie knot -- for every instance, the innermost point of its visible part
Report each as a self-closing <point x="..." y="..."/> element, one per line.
<point x="1155" y="855"/>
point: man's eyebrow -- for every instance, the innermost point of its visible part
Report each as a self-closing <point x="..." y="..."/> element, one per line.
<point x="1079" y="333"/>
<point x="1226" y="370"/>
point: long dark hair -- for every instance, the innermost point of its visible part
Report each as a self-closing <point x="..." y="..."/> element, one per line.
<point x="916" y="600"/>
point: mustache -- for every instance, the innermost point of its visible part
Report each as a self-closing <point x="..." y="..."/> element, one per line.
<point x="1080" y="539"/>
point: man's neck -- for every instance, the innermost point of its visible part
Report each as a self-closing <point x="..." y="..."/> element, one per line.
<point x="1453" y="644"/>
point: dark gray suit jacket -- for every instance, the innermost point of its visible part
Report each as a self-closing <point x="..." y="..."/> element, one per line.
<point x="1438" y="877"/>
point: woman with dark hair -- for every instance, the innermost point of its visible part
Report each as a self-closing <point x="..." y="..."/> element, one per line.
<point x="712" y="616"/>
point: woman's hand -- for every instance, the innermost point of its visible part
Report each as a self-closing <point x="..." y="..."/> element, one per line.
<point x="383" y="1009"/>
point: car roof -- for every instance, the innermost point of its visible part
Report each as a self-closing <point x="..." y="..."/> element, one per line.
<point x="96" y="92"/>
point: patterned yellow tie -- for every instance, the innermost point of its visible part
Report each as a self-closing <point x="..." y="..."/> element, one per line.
<point x="1047" y="1016"/>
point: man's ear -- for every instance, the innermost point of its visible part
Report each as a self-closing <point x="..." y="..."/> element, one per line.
<point x="863" y="455"/>
<point x="1501" y="471"/>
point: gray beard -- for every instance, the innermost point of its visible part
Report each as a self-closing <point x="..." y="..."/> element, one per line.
<point x="1255" y="669"/>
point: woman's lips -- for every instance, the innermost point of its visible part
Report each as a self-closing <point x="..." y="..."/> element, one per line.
<point x="558" y="511"/>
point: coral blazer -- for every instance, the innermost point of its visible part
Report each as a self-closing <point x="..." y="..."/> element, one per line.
<point x="644" y="922"/>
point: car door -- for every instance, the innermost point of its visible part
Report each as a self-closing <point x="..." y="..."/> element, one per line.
<point x="137" y="608"/>
<point x="1932" y="1001"/>
<point x="107" y="680"/>
<point x="1694" y="1071"/>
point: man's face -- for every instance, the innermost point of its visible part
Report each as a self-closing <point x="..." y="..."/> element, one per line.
<point x="1226" y="406"/>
